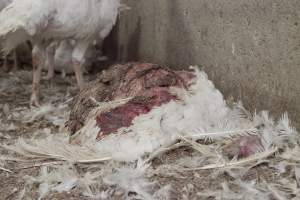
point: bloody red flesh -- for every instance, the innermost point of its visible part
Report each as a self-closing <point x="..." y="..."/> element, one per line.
<point x="244" y="146"/>
<point x="111" y="121"/>
<point x="149" y="85"/>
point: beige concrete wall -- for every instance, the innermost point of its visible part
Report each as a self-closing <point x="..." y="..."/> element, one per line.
<point x="250" y="48"/>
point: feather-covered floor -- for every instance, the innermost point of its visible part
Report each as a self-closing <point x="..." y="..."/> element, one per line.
<point x="201" y="162"/>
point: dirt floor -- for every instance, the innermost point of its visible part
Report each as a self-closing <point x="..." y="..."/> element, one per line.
<point x="15" y="89"/>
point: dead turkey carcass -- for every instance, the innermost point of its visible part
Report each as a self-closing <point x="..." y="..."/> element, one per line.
<point x="129" y="91"/>
<point x="135" y="109"/>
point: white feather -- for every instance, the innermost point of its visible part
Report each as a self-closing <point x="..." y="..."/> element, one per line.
<point x="131" y="180"/>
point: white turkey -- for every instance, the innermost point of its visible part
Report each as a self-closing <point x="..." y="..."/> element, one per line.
<point x="42" y="22"/>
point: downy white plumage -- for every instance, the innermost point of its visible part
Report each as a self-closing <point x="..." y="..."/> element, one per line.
<point x="41" y="22"/>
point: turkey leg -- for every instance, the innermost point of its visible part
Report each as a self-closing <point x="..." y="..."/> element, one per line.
<point x="37" y="64"/>
<point x="50" y="52"/>
<point x="78" y="61"/>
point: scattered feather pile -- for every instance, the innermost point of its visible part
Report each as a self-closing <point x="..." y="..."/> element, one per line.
<point x="224" y="139"/>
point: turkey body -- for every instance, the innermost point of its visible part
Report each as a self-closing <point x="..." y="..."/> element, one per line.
<point x="56" y="19"/>
<point x="45" y="21"/>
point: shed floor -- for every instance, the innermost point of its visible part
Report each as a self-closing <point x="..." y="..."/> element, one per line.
<point x="15" y="90"/>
